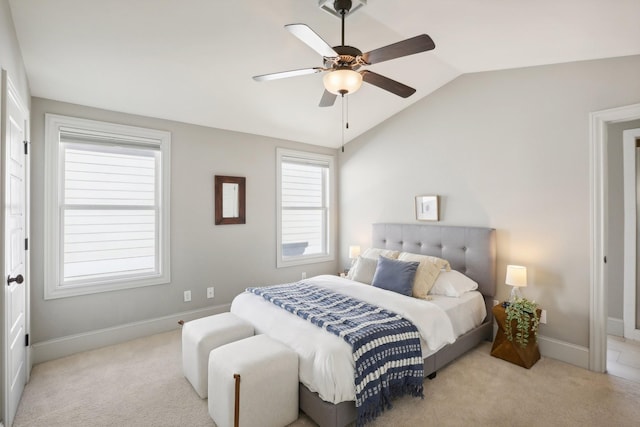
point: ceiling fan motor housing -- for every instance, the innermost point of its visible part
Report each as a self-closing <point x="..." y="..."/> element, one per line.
<point x="348" y="57"/>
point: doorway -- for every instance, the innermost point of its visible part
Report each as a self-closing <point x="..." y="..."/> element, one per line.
<point x="623" y="340"/>
<point x="599" y="223"/>
<point x="630" y="144"/>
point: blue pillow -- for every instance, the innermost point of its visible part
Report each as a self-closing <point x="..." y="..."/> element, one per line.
<point x="394" y="275"/>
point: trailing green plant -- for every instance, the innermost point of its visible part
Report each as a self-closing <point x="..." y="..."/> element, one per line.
<point x="524" y="313"/>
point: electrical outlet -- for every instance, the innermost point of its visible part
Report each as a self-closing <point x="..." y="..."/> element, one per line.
<point x="304" y="275"/>
<point x="187" y="296"/>
<point x="543" y="316"/>
<point x="210" y="293"/>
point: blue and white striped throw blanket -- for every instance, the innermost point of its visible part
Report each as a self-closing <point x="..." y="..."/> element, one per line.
<point x="386" y="347"/>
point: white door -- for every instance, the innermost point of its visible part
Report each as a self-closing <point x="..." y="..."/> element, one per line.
<point x="14" y="189"/>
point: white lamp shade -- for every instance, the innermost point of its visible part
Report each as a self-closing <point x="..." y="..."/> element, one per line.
<point x="354" y="252"/>
<point x="341" y="82"/>
<point x="516" y="276"/>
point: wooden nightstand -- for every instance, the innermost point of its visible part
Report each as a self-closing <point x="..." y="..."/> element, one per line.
<point x="510" y="350"/>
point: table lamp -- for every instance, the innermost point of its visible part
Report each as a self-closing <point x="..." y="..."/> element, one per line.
<point x="516" y="277"/>
<point x="354" y="252"/>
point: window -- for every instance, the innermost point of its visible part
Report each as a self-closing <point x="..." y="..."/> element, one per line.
<point x="107" y="207"/>
<point x="305" y="215"/>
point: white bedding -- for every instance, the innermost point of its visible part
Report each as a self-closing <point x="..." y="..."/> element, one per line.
<point x="326" y="363"/>
<point x="465" y="313"/>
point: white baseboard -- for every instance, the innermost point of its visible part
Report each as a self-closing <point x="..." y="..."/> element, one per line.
<point x="564" y="351"/>
<point x="65" y="346"/>
<point x="615" y="327"/>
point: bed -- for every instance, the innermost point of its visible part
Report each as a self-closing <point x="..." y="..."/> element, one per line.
<point x="326" y="395"/>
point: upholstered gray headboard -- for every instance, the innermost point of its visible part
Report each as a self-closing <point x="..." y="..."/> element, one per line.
<point x="470" y="250"/>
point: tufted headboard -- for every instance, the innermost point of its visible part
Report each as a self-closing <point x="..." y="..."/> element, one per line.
<point x="470" y="250"/>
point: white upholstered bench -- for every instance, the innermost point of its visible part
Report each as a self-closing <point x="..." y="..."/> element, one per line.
<point x="253" y="382"/>
<point x="200" y="336"/>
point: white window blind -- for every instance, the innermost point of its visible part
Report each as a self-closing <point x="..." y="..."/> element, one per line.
<point x="110" y="211"/>
<point x="305" y="202"/>
<point x="110" y="207"/>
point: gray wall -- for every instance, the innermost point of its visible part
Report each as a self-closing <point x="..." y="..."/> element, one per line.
<point x="615" y="251"/>
<point x="506" y="149"/>
<point x="10" y="55"/>
<point x="229" y="257"/>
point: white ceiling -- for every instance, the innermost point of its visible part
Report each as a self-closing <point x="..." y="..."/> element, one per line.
<point x="192" y="60"/>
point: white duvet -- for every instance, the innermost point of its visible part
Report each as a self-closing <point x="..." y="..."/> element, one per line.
<point x="326" y="363"/>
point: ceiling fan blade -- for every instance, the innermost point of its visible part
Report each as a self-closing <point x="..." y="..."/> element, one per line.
<point x="285" y="74"/>
<point x="311" y="39"/>
<point x="388" y="84"/>
<point x="416" y="44"/>
<point x="328" y="99"/>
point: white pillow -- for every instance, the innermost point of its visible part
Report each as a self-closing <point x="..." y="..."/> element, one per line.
<point x="426" y="274"/>
<point x="453" y="284"/>
<point x="374" y="253"/>
<point x="363" y="270"/>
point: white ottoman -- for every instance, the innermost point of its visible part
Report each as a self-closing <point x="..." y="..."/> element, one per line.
<point x="200" y="336"/>
<point x="267" y="372"/>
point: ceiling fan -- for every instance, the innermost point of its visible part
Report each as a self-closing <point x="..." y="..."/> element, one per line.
<point x="342" y="62"/>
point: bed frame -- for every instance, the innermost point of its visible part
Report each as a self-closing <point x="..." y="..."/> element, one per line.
<point x="470" y="250"/>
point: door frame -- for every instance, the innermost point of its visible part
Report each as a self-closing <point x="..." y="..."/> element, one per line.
<point x="630" y="306"/>
<point x="598" y="177"/>
<point x="8" y="88"/>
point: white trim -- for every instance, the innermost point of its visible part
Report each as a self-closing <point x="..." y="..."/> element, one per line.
<point x="615" y="327"/>
<point x="630" y="233"/>
<point x="598" y="221"/>
<point x="331" y="216"/>
<point x="53" y="163"/>
<point x="563" y="351"/>
<point x="65" y="346"/>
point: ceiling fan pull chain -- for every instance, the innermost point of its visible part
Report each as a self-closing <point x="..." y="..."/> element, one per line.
<point x="345" y="122"/>
<point x="342" y="127"/>
<point x="347" y="113"/>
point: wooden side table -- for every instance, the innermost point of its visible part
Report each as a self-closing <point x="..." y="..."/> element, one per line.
<point x="510" y="350"/>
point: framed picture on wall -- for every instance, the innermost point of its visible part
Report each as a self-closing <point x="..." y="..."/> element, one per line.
<point x="427" y="208"/>
<point x="229" y="195"/>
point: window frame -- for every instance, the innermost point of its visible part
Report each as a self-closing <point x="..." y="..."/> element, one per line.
<point x="330" y="225"/>
<point x="117" y="134"/>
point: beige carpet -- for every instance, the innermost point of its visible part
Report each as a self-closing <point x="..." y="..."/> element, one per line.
<point x="140" y="383"/>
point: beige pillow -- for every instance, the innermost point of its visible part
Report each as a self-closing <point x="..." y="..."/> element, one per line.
<point x="374" y="253"/>
<point x="363" y="270"/>
<point x="427" y="272"/>
<point x="442" y="264"/>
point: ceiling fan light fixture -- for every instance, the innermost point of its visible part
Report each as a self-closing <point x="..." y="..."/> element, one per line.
<point x="342" y="82"/>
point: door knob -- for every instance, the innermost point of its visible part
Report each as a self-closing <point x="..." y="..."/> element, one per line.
<point x="18" y="279"/>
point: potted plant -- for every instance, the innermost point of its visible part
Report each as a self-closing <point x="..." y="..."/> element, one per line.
<point x="526" y="317"/>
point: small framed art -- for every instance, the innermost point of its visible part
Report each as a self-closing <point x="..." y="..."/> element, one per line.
<point x="427" y="208"/>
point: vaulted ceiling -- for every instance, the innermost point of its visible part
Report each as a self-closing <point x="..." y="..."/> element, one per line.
<point x="192" y="60"/>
